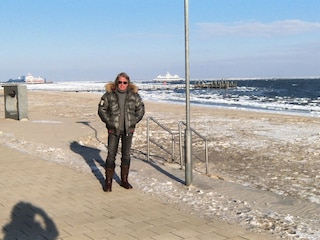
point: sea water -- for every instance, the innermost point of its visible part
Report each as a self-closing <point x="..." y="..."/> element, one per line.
<point x="294" y="96"/>
<point x="289" y="96"/>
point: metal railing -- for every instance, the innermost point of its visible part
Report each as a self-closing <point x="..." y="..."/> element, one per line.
<point x="181" y="142"/>
<point x="200" y="136"/>
<point x="154" y="142"/>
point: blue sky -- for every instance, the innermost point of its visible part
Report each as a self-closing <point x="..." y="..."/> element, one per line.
<point x="66" y="40"/>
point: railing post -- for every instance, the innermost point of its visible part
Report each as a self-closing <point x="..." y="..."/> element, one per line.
<point x="173" y="148"/>
<point x="188" y="156"/>
<point x="180" y="145"/>
<point x="206" y="156"/>
<point x="148" y="139"/>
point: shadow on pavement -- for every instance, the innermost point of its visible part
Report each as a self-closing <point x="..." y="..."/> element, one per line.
<point x="139" y="155"/>
<point x="92" y="158"/>
<point x="29" y="222"/>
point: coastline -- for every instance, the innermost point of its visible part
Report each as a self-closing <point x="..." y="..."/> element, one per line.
<point x="267" y="153"/>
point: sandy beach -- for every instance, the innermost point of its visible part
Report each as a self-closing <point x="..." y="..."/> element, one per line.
<point x="263" y="168"/>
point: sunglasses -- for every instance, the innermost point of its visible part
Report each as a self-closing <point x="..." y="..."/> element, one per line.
<point x="120" y="82"/>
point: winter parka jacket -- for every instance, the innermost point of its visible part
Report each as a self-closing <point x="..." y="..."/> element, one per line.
<point x="109" y="110"/>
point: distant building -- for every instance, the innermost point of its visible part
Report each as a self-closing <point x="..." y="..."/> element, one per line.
<point x="29" y="79"/>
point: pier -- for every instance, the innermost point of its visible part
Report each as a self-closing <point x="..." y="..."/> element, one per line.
<point x="220" y="84"/>
<point x="215" y="84"/>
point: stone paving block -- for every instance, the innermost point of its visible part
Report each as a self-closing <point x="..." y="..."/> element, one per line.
<point x="186" y="233"/>
<point x="160" y="230"/>
<point x="179" y="225"/>
<point x="77" y="237"/>
<point x="142" y="234"/>
<point x="100" y="234"/>
<point x="122" y="236"/>
<point x="119" y="230"/>
<point x="139" y="225"/>
<point x="167" y="236"/>
<point x="118" y="222"/>
<point x="203" y="228"/>
<point x="175" y="217"/>
<point x="240" y="238"/>
<point x="77" y="219"/>
<point x="99" y="224"/>
<point x="78" y="229"/>
<point x="157" y="221"/>
<point x="137" y="217"/>
<point x="211" y="236"/>
<point x="153" y="213"/>
<point x="195" y="221"/>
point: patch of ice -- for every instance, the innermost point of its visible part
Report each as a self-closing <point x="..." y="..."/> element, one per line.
<point x="46" y="121"/>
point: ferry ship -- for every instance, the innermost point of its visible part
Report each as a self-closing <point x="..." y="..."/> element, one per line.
<point x="29" y="79"/>
<point x="168" y="78"/>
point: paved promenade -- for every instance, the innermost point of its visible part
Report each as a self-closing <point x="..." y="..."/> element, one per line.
<point x="46" y="200"/>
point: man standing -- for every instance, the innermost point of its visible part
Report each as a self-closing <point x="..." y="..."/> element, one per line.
<point x="120" y="108"/>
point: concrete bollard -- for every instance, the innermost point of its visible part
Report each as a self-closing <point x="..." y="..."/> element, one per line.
<point x="15" y="101"/>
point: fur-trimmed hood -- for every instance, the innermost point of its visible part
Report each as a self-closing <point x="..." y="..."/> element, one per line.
<point x="111" y="87"/>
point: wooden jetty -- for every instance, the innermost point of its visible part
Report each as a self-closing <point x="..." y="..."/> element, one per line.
<point x="222" y="84"/>
<point x="215" y="84"/>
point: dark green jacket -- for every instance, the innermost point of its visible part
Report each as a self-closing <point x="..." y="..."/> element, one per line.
<point x="109" y="110"/>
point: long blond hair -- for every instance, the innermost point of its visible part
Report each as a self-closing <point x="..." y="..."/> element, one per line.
<point x="122" y="74"/>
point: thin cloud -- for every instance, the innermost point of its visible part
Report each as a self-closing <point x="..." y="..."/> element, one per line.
<point x="258" y="29"/>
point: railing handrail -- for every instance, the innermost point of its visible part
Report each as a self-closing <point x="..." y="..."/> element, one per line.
<point x="164" y="128"/>
<point x="161" y="125"/>
<point x="200" y="136"/>
<point x="193" y="130"/>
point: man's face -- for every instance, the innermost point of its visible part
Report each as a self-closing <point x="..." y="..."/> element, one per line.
<point x="122" y="83"/>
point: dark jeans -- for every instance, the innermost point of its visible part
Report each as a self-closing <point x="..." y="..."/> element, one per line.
<point x="113" y="143"/>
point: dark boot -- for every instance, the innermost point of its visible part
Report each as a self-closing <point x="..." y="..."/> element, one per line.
<point x="124" y="177"/>
<point x="109" y="177"/>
